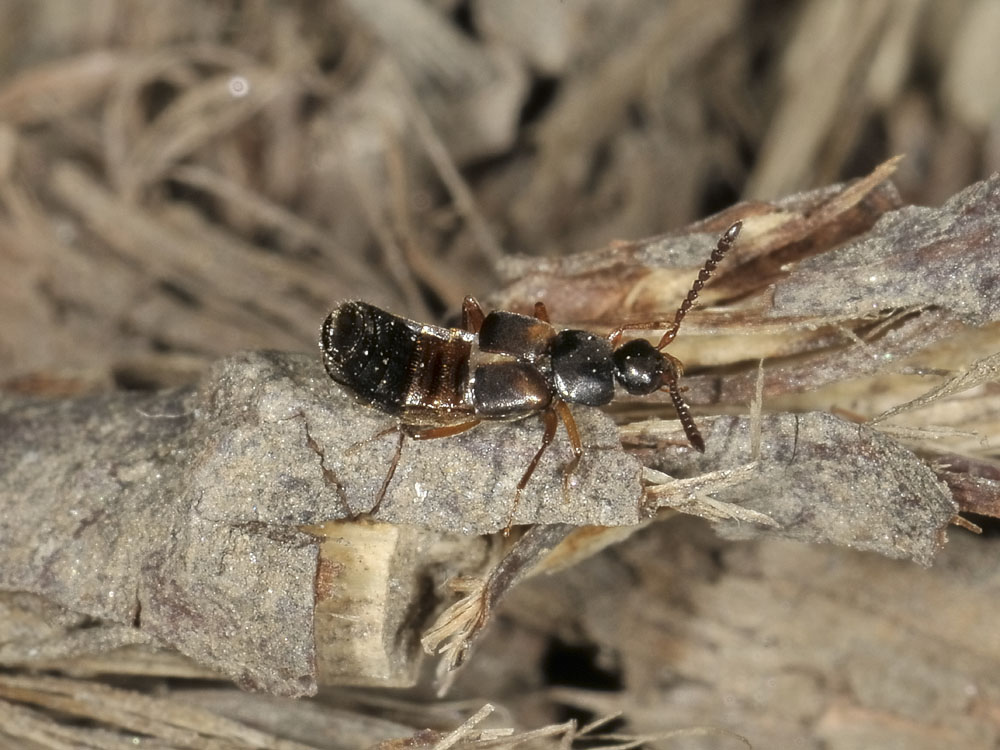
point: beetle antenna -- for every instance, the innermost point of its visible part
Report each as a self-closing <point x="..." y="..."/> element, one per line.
<point x="725" y="243"/>
<point x="687" y="422"/>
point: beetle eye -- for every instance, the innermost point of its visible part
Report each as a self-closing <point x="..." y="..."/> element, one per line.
<point x="638" y="367"/>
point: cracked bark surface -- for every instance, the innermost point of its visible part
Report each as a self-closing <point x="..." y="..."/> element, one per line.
<point x="176" y="519"/>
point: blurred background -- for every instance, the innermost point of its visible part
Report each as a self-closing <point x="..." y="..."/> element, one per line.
<point x="182" y="179"/>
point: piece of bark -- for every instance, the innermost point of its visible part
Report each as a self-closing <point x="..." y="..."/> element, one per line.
<point x="816" y="479"/>
<point x="187" y="509"/>
<point x="377" y="586"/>
<point x="819" y="478"/>
<point x="175" y="519"/>
<point x="643" y="279"/>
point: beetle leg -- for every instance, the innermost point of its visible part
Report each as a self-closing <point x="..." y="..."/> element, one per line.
<point x="675" y="364"/>
<point x="472" y="315"/>
<point x="359" y="444"/>
<point x="392" y="466"/>
<point x="574" y="438"/>
<point x="551" y="424"/>
<point x="432" y="433"/>
<point x="541" y="312"/>
<point x="616" y="335"/>
<point x="425" y="434"/>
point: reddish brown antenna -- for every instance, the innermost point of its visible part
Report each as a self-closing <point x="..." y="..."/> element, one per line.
<point x="725" y="243"/>
<point x="690" y="428"/>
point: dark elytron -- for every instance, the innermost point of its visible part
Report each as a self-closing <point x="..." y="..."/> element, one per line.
<point x="406" y="369"/>
<point x="442" y="381"/>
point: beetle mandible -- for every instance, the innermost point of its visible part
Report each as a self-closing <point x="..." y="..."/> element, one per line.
<point x="439" y="382"/>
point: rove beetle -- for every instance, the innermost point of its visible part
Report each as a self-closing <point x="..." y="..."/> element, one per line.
<point x="439" y="382"/>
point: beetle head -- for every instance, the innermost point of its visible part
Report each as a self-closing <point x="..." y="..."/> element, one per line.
<point x="640" y="367"/>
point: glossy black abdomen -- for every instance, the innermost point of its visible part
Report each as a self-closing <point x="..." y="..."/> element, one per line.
<point x="369" y="351"/>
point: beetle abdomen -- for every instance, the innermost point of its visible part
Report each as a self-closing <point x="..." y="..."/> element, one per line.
<point x="369" y="351"/>
<point x="439" y="372"/>
<point x="419" y="373"/>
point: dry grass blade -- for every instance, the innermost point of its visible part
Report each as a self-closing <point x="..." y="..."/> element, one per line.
<point x="985" y="370"/>
<point x="172" y="723"/>
<point x="691" y="495"/>
<point x="60" y="89"/>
